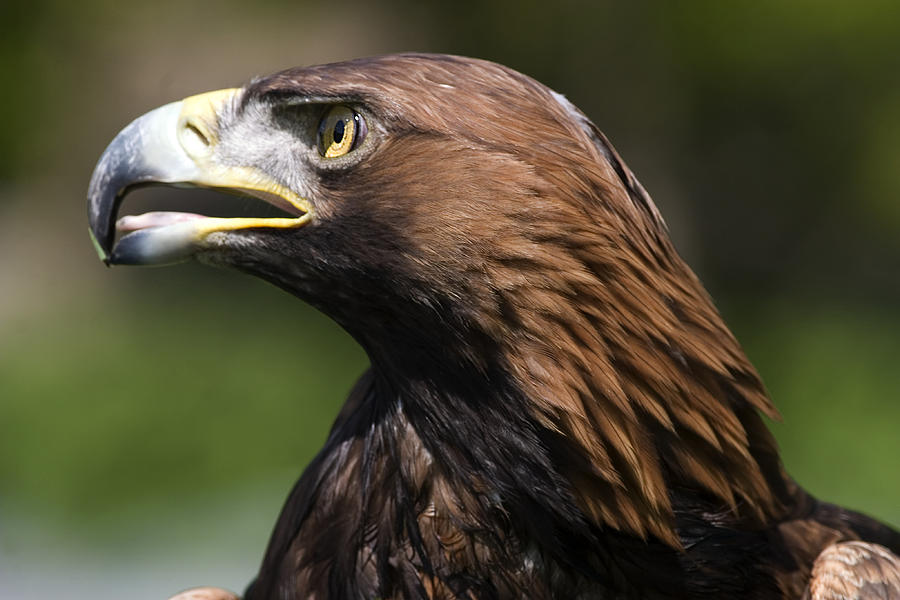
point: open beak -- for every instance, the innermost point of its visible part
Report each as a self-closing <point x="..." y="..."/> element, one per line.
<point x="175" y="144"/>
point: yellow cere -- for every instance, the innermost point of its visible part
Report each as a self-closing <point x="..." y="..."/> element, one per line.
<point x="198" y="121"/>
<point x="198" y="134"/>
<point x="337" y="131"/>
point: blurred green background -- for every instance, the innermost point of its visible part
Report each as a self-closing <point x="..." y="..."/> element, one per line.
<point x="152" y="421"/>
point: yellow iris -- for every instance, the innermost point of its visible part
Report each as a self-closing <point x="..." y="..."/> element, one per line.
<point x="337" y="131"/>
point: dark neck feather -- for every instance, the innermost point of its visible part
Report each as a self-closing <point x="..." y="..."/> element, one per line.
<point x="425" y="483"/>
<point x="429" y="487"/>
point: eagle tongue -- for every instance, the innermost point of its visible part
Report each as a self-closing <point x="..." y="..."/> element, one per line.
<point x="154" y="219"/>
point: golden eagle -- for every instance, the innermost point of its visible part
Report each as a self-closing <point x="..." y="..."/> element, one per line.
<point x="554" y="408"/>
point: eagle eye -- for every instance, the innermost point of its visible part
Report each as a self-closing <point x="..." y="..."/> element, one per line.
<point x="341" y="130"/>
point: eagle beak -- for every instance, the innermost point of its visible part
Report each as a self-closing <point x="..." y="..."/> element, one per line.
<point x="175" y="144"/>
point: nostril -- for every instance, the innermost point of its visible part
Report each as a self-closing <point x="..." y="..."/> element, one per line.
<point x="193" y="129"/>
<point x="194" y="138"/>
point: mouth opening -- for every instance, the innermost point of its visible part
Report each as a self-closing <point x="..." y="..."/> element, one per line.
<point x="159" y="206"/>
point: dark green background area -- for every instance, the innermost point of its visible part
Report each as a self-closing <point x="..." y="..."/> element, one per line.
<point x="152" y="421"/>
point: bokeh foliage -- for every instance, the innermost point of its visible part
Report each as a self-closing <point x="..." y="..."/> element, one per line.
<point x="767" y="132"/>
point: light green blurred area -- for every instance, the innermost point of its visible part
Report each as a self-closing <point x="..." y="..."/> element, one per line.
<point x="166" y="392"/>
<point x="152" y="421"/>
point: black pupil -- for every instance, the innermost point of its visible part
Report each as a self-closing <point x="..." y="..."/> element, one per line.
<point x="338" y="131"/>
